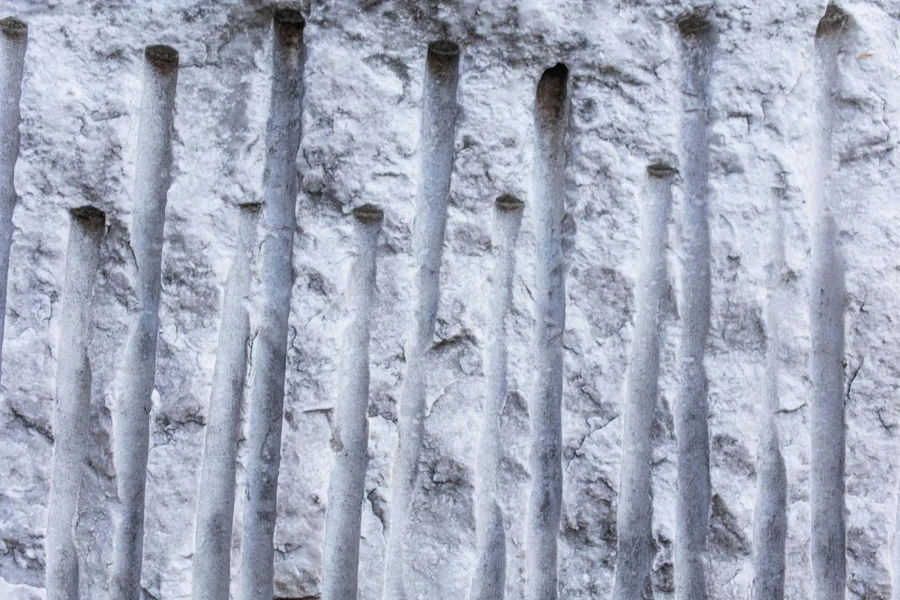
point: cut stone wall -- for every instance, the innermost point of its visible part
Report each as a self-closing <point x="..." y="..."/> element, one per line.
<point x="781" y="129"/>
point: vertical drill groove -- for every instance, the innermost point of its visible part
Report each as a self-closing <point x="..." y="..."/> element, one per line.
<point x="692" y="403"/>
<point x="73" y="402"/>
<point x="13" y="43"/>
<point x="545" y="497"/>
<point x="132" y="424"/>
<point x="340" y="562"/>
<point x="770" y="516"/>
<point x="215" y="508"/>
<point x="635" y="512"/>
<point x="278" y="218"/>
<point x="827" y="435"/>
<point x="489" y="582"/>
<point x="438" y="132"/>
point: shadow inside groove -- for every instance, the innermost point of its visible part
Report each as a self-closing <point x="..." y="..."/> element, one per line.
<point x="13" y="27"/>
<point x="552" y="90"/>
<point x="368" y="213"/>
<point x="164" y="58"/>
<point x="289" y="26"/>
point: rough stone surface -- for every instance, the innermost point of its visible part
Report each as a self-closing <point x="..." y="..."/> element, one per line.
<point x="364" y="75"/>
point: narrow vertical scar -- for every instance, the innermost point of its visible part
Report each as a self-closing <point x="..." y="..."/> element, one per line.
<point x="635" y="512"/>
<point x="73" y="401"/>
<point x="770" y="514"/>
<point x="13" y="43"/>
<point x="215" y="507"/>
<point x="278" y="222"/>
<point x="545" y="497"/>
<point x="827" y="535"/>
<point x="489" y="582"/>
<point x="437" y="137"/>
<point x="340" y="562"/>
<point x="691" y="409"/>
<point x="132" y="416"/>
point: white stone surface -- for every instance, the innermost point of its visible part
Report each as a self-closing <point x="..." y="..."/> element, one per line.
<point x="364" y="77"/>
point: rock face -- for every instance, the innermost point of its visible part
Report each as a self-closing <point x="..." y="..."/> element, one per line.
<point x="729" y="339"/>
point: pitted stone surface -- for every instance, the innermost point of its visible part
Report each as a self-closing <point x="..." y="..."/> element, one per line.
<point x="360" y="145"/>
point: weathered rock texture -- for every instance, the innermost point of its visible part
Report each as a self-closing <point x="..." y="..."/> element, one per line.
<point x="782" y="127"/>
